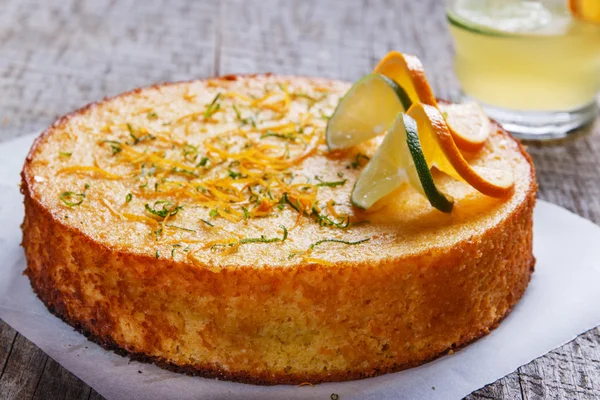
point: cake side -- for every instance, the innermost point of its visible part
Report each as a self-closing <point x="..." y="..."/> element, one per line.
<point x="295" y="321"/>
<point x="312" y="323"/>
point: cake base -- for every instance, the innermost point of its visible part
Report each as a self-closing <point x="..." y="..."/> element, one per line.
<point x="96" y="331"/>
<point x="211" y="373"/>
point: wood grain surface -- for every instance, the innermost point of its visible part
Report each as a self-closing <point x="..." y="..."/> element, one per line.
<point x="58" y="55"/>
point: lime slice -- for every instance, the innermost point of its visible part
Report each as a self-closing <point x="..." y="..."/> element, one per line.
<point x="439" y="200"/>
<point x="398" y="159"/>
<point x="366" y="111"/>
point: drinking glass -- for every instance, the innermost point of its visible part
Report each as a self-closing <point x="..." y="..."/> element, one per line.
<point x="530" y="64"/>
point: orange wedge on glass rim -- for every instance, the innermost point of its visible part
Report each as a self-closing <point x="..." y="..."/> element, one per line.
<point x="586" y="10"/>
<point x="441" y="151"/>
<point x="467" y="123"/>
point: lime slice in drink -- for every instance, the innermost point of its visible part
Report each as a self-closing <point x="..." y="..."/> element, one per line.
<point x="398" y="160"/>
<point x="366" y="111"/>
<point x="509" y="16"/>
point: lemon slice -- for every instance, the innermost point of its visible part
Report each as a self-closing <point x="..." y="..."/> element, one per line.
<point x="468" y="124"/>
<point x="408" y="72"/>
<point x="398" y="160"/>
<point x="366" y="111"/>
<point x="441" y="151"/>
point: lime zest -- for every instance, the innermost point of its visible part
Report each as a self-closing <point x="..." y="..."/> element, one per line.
<point x="320" y="242"/>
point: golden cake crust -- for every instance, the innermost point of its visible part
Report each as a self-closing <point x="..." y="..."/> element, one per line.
<point x="290" y="323"/>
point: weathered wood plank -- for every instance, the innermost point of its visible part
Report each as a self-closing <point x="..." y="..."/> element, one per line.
<point x="7" y="339"/>
<point x="95" y="395"/>
<point x="570" y="372"/>
<point x="58" y="383"/>
<point x="23" y="370"/>
<point x="507" y="388"/>
<point x="296" y="37"/>
<point x="56" y="56"/>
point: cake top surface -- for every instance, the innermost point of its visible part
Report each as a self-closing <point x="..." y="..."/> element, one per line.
<point x="235" y="172"/>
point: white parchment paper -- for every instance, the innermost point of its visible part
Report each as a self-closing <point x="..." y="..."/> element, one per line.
<point x="562" y="301"/>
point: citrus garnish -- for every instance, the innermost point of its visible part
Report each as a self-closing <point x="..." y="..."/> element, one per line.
<point x="366" y="111"/>
<point x="441" y="151"/>
<point x="587" y="10"/>
<point x="408" y="151"/>
<point x="408" y="72"/>
<point x="468" y="124"/>
<point x="398" y="160"/>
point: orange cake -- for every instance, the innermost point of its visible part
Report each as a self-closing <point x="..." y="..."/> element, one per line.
<point x="206" y="227"/>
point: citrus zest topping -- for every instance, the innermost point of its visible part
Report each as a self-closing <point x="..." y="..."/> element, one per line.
<point x="90" y="171"/>
<point x="367" y="110"/>
<point x="306" y="254"/>
<point x="235" y="175"/>
<point x="441" y="151"/>
<point x="72" y="199"/>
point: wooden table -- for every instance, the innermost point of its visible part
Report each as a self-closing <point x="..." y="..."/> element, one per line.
<point x="58" y="55"/>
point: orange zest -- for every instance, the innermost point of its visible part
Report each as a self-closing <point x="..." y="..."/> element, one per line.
<point x="95" y="172"/>
<point x="441" y="151"/>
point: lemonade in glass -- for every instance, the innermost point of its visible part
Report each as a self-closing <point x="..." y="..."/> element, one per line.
<point x="531" y="65"/>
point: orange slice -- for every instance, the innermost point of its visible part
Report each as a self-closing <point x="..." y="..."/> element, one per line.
<point x="468" y="124"/>
<point x="408" y="72"/>
<point x="441" y="151"/>
<point x="587" y="10"/>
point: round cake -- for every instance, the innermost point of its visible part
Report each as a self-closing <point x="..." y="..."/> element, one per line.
<point x="204" y="226"/>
